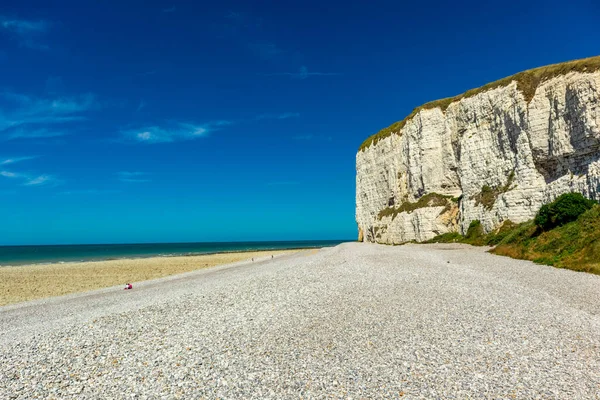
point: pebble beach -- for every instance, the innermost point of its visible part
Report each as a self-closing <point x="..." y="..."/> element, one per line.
<point x="360" y="321"/>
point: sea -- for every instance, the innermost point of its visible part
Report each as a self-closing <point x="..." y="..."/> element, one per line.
<point x="49" y="254"/>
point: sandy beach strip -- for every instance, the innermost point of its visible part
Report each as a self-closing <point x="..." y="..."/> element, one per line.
<point x="29" y="282"/>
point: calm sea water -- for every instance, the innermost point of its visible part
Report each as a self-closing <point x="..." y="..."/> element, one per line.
<point x="19" y="255"/>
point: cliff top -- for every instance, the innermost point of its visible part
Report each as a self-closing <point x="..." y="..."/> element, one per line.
<point x="527" y="83"/>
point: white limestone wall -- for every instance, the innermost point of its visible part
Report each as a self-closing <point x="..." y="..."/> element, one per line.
<point x="550" y="146"/>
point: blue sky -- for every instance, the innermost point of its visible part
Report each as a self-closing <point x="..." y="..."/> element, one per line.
<point x="171" y="121"/>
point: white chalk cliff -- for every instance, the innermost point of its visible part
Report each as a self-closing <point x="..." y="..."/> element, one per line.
<point x="492" y="155"/>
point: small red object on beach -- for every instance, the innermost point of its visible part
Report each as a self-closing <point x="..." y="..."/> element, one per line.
<point x="129" y="286"/>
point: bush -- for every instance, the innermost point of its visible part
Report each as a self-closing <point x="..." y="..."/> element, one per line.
<point x="566" y="208"/>
<point x="474" y="229"/>
<point x="497" y="236"/>
<point x="475" y="234"/>
<point x="449" y="237"/>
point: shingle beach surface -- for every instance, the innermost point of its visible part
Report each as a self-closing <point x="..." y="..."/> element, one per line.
<point x="353" y="321"/>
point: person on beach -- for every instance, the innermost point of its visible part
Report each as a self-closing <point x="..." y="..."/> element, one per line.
<point x="128" y="286"/>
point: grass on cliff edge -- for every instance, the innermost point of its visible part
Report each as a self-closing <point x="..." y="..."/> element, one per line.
<point x="575" y="245"/>
<point x="527" y="83"/>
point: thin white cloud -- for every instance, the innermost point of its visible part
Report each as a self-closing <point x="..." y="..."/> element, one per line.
<point x="8" y="174"/>
<point x="25" y="116"/>
<point x="135" y="177"/>
<point x="303" y="73"/>
<point x="141" y="106"/>
<point x="31" y="105"/>
<point x="26" y="32"/>
<point x="31" y="180"/>
<point x="23" y="133"/>
<point x="14" y="160"/>
<point x="40" y="180"/>
<point x="172" y="132"/>
<point x="22" y="26"/>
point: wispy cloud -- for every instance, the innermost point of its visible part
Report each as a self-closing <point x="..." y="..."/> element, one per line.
<point x="31" y="180"/>
<point x="8" y="174"/>
<point x="23" y="26"/>
<point x="40" y="180"/>
<point x="141" y="106"/>
<point x="26" y="32"/>
<point x="14" y="160"/>
<point x="136" y="177"/>
<point x="172" y="132"/>
<point x="26" y="133"/>
<point x="303" y="73"/>
<point x="284" y="115"/>
<point x="169" y="10"/>
<point x="25" y="116"/>
<point x="27" y="179"/>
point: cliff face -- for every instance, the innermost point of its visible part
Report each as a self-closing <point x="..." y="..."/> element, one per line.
<point x="494" y="155"/>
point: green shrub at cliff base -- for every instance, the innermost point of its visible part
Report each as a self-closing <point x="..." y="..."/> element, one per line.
<point x="574" y="245"/>
<point x="475" y="234"/>
<point x="566" y="208"/>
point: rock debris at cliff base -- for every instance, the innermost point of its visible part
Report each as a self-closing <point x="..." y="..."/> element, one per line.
<point x="354" y="321"/>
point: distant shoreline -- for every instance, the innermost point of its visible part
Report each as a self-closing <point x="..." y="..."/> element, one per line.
<point x="125" y="258"/>
<point x="14" y="256"/>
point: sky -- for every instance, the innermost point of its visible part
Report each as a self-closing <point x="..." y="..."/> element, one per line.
<point x="182" y="121"/>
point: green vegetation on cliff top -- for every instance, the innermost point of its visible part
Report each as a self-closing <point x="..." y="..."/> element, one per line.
<point x="527" y="83"/>
<point x="573" y="245"/>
